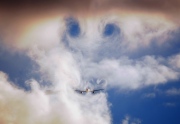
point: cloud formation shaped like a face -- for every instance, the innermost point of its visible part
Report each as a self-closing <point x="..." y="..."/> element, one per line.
<point x="81" y="51"/>
<point x="102" y="55"/>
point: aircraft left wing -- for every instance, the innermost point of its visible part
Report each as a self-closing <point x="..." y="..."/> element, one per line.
<point x="80" y="91"/>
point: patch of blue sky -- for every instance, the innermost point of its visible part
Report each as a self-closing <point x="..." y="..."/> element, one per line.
<point x="111" y="29"/>
<point x="161" y="109"/>
<point x="73" y="30"/>
<point x="73" y="27"/>
<point x="18" y="66"/>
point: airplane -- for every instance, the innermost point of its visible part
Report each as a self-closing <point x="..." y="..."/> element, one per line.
<point x="88" y="90"/>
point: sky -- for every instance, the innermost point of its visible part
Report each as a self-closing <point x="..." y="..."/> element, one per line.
<point x="131" y="49"/>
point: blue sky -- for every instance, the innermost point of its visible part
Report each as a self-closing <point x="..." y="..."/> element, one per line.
<point x="133" y="55"/>
<point x="153" y="109"/>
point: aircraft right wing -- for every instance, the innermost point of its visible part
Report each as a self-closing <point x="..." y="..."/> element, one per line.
<point x="97" y="90"/>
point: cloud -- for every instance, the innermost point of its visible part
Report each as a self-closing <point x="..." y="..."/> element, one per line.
<point x="130" y="120"/>
<point x="125" y="121"/>
<point x="175" y="61"/>
<point x="173" y="92"/>
<point x="106" y="57"/>
<point x="126" y="73"/>
<point x="93" y="55"/>
<point x="97" y="54"/>
<point x="58" y="66"/>
<point x="170" y="104"/>
<point x="18" y="106"/>
<point x="149" y="95"/>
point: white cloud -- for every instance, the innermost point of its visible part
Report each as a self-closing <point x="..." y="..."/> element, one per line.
<point x="36" y="107"/>
<point x="96" y="56"/>
<point x="173" y="91"/>
<point x="63" y="67"/>
<point x="175" y="61"/>
<point x="130" y="120"/>
<point x="133" y="74"/>
<point x="91" y="55"/>
<point x="126" y="120"/>
<point x="170" y="104"/>
<point x="149" y="95"/>
<point x="140" y="31"/>
<point x="20" y="107"/>
<point x="58" y="66"/>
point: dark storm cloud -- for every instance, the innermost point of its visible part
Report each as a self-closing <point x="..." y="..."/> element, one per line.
<point x="44" y="4"/>
<point x="165" y="6"/>
<point x="162" y="5"/>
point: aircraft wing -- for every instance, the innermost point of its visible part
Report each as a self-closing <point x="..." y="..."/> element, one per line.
<point x="80" y="91"/>
<point x="96" y="90"/>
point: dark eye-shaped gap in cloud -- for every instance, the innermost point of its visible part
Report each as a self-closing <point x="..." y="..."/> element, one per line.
<point x="73" y="28"/>
<point x="111" y="29"/>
